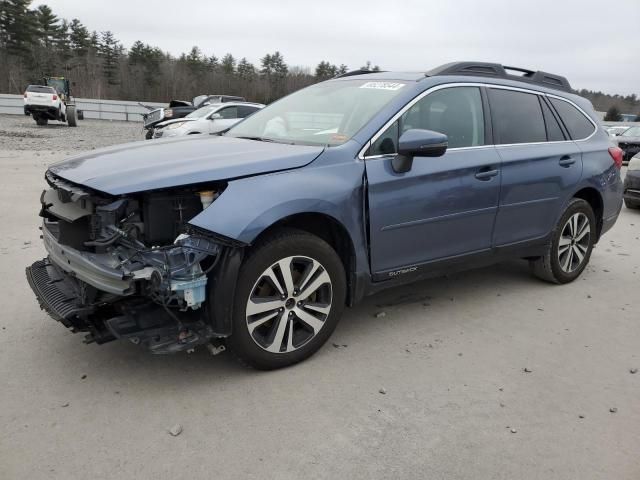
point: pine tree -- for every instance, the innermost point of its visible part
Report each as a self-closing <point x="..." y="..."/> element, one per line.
<point x="49" y="28"/>
<point x="110" y="51"/>
<point x="79" y="38"/>
<point x="18" y="27"/>
<point x="228" y="64"/>
<point x="246" y="70"/>
<point x="613" y="114"/>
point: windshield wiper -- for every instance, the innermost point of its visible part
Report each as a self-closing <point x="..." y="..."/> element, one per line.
<point x="259" y="139"/>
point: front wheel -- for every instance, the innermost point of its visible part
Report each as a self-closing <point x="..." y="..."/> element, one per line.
<point x="571" y="245"/>
<point x="289" y="297"/>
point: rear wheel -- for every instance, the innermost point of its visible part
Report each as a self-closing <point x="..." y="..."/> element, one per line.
<point x="289" y="297"/>
<point x="571" y="245"/>
<point x="71" y="117"/>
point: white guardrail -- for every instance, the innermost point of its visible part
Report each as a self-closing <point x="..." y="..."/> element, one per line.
<point x="92" y="108"/>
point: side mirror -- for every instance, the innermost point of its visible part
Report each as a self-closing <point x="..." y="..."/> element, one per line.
<point x="418" y="143"/>
<point x="215" y="116"/>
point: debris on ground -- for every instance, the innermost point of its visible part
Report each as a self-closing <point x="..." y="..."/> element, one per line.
<point x="383" y="391"/>
<point x="175" y="430"/>
<point x="527" y="370"/>
<point x="513" y="430"/>
<point x="83" y="377"/>
<point x="613" y="409"/>
<point x="64" y="405"/>
<point x="381" y="314"/>
<point x="580" y="416"/>
<point x="633" y="370"/>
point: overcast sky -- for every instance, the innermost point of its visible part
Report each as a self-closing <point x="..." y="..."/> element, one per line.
<point x="593" y="43"/>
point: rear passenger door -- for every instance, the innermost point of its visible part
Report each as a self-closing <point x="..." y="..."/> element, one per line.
<point x="443" y="207"/>
<point x="539" y="164"/>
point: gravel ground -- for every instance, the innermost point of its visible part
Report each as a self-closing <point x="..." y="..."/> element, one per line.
<point x="19" y="132"/>
<point x="449" y="354"/>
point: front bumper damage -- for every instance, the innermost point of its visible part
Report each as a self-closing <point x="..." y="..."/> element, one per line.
<point x="114" y="286"/>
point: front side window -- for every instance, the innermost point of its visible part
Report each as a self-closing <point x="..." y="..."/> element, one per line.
<point x="578" y="125"/>
<point x="228" y="112"/>
<point x="328" y="113"/>
<point x="457" y="112"/>
<point x="517" y="117"/>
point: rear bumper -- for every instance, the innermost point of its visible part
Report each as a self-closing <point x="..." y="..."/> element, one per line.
<point x="43" y="109"/>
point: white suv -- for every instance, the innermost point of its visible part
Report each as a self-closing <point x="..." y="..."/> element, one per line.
<point x="44" y="103"/>
<point x="208" y="119"/>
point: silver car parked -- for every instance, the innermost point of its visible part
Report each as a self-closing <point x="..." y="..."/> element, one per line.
<point x="208" y="119"/>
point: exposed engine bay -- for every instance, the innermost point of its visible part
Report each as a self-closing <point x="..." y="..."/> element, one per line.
<point x="128" y="267"/>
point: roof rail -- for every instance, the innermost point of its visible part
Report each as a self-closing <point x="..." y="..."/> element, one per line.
<point x="495" y="70"/>
<point x="357" y="72"/>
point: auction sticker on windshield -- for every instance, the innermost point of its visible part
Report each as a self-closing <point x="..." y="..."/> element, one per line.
<point x="383" y="85"/>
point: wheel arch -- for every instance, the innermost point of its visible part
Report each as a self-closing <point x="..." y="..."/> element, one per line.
<point x="329" y="229"/>
<point x="593" y="197"/>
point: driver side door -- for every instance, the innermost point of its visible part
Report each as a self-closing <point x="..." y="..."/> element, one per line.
<point x="444" y="207"/>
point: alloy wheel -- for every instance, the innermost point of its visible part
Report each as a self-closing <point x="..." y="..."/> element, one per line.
<point x="289" y="304"/>
<point x="574" y="242"/>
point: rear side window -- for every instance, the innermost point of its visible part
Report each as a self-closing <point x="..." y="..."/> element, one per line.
<point x="40" y="89"/>
<point x="245" y="111"/>
<point x="554" y="131"/>
<point x="577" y="124"/>
<point x="517" y="117"/>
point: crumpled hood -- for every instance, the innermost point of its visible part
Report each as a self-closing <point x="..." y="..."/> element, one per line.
<point x="149" y="165"/>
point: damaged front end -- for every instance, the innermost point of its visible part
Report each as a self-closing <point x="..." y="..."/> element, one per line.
<point x="130" y="267"/>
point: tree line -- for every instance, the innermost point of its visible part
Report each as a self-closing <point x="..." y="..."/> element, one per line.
<point x="36" y="42"/>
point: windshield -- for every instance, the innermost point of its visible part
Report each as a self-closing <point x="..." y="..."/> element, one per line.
<point x="328" y="113"/>
<point x="631" y="132"/>
<point x="40" y="89"/>
<point x="203" y="112"/>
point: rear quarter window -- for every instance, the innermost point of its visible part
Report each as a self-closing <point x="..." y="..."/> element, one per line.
<point x="578" y="125"/>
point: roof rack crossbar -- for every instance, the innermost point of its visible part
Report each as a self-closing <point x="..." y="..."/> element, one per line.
<point x="496" y="70"/>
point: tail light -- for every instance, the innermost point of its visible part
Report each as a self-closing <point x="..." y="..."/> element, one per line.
<point x="55" y="97"/>
<point x="616" y="154"/>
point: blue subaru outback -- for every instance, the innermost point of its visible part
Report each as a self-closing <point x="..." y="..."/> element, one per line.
<point x="255" y="239"/>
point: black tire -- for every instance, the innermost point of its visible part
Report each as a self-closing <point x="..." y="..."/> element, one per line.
<point x="41" y="121"/>
<point x="264" y="255"/>
<point x="149" y="134"/>
<point x="631" y="204"/>
<point x="72" y="120"/>
<point x="80" y="115"/>
<point x="548" y="267"/>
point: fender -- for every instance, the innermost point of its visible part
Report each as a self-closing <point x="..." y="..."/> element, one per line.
<point x="250" y="205"/>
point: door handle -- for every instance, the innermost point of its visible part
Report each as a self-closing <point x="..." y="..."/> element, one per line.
<point x="486" y="174"/>
<point x="566" y="161"/>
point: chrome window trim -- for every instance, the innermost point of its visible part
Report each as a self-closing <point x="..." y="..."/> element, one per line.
<point x="471" y="84"/>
